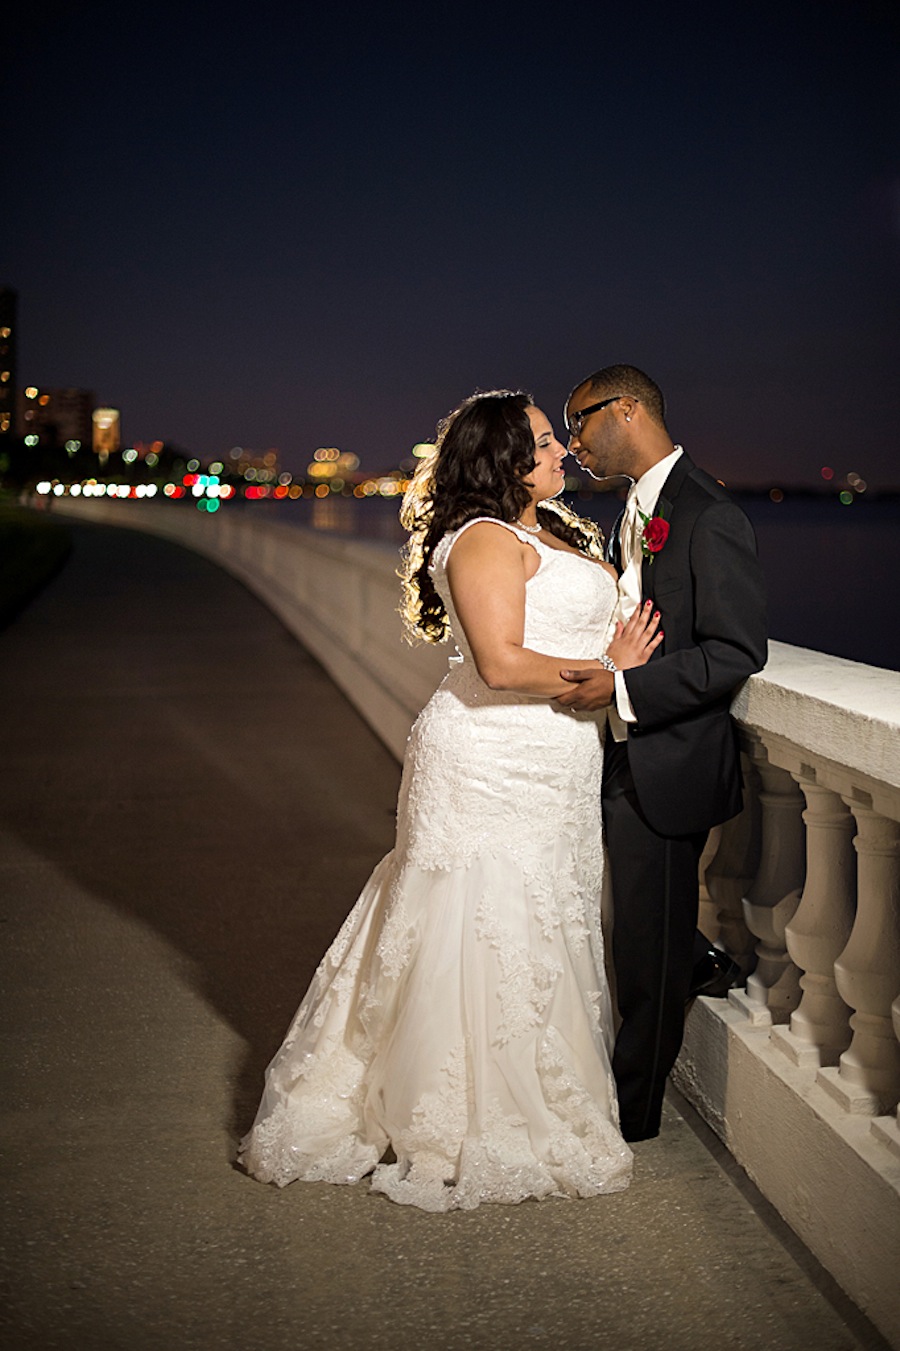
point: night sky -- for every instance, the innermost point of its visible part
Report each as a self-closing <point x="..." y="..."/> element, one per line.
<point x="308" y="227"/>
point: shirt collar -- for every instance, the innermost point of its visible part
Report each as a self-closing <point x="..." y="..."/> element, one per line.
<point x="650" y="485"/>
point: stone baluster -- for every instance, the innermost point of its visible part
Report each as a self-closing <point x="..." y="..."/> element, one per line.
<point x="707" y="915"/>
<point x="887" y="1129"/>
<point x="868" y="970"/>
<point x="820" y="929"/>
<point x="773" y="990"/>
<point x="729" y="874"/>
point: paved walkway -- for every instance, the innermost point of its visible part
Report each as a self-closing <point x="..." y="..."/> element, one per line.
<point x="188" y="808"/>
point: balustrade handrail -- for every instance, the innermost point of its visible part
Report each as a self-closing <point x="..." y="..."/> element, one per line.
<point x="839" y="710"/>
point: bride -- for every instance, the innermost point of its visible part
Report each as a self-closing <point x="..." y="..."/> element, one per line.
<point x="455" y="1040"/>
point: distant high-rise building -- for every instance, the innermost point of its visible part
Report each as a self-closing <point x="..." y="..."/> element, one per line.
<point x="56" y="416"/>
<point x="8" y="336"/>
<point x="107" y="432"/>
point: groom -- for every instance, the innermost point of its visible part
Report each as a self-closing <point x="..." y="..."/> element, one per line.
<point x="672" y="768"/>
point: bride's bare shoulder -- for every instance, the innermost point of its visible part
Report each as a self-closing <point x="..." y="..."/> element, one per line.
<point x="486" y="543"/>
<point x="485" y="534"/>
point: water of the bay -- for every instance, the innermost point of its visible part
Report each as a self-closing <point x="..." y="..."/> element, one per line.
<point x="831" y="573"/>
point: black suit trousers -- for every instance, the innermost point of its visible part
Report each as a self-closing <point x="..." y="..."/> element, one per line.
<point x="655" y="900"/>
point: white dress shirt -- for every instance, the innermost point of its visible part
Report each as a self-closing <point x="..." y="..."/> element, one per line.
<point x="648" y="488"/>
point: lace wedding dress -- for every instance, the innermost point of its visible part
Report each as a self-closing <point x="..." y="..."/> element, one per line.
<point x="462" y="1015"/>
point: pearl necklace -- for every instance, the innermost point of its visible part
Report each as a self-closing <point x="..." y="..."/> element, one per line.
<point x="532" y="529"/>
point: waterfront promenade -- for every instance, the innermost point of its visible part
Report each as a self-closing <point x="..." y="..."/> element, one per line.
<point x="188" y="808"/>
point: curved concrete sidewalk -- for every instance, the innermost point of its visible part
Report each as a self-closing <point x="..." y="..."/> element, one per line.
<point x="188" y="808"/>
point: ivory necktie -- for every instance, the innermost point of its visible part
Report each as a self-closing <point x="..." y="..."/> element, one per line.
<point x="631" y="560"/>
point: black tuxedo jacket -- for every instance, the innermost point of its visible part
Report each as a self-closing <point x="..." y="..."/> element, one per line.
<point x="707" y="583"/>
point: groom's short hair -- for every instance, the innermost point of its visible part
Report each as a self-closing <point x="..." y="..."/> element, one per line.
<point x="629" y="380"/>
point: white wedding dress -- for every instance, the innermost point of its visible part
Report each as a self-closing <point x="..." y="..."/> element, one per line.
<point x="462" y="1015"/>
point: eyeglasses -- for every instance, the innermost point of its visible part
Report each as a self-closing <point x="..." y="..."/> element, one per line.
<point x="575" y="421"/>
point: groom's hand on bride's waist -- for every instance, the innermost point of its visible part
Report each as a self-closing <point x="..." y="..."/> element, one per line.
<point x="590" y="690"/>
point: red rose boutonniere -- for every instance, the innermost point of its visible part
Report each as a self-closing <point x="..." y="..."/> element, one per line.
<point x="654" y="534"/>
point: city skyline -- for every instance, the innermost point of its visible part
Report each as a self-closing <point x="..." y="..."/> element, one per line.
<point x="331" y="238"/>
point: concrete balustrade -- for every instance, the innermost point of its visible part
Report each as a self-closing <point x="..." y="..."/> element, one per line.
<point x="820" y="929"/>
<point x="805" y="1094"/>
<point x="887" y="1129"/>
<point x="339" y="596"/>
<point x="729" y="865"/>
<point x="800" y="1072"/>
<point x="867" y="973"/>
<point x="773" y="988"/>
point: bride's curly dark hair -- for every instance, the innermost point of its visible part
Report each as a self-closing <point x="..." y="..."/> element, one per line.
<point x="483" y="451"/>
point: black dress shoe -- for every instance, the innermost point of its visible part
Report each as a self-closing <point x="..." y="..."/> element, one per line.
<point x="714" y="974"/>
